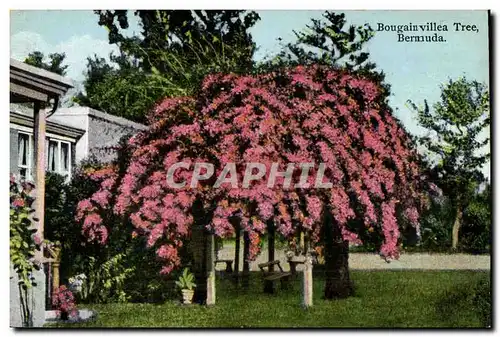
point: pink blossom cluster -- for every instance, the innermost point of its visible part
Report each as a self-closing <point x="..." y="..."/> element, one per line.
<point x="63" y="300"/>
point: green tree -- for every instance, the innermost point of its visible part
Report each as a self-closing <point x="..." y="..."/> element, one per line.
<point x="177" y="48"/>
<point x="455" y="140"/>
<point x="329" y="41"/>
<point x="186" y="32"/>
<point x="55" y="63"/>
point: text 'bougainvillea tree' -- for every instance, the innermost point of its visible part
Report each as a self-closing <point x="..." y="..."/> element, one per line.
<point x="313" y="114"/>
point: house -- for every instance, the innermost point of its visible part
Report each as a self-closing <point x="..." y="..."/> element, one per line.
<point x="36" y="88"/>
<point x="44" y="137"/>
<point x="73" y="134"/>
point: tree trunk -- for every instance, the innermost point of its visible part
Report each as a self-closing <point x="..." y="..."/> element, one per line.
<point x="456" y="228"/>
<point x="338" y="283"/>
<point x="198" y="245"/>
<point x="198" y="250"/>
<point x="237" y="250"/>
<point x="270" y="246"/>
<point x="246" y="261"/>
<point x="210" y="255"/>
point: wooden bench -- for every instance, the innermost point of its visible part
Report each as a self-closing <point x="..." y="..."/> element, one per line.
<point x="270" y="277"/>
<point x="293" y="265"/>
<point x="229" y="265"/>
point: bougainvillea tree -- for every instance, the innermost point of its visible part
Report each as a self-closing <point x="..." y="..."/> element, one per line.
<point x="269" y="140"/>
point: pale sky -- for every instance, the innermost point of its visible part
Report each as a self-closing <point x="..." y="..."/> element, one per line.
<point x="415" y="70"/>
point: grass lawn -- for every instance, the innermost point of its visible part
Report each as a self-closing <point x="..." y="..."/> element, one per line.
<point x="382" y="299"/>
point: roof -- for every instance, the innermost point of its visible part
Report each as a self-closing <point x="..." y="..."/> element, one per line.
<point x="53" y="77"/>
<point x="30" y="84"/>
<point x="52" y="127"/>
<point x="100" y="115"/>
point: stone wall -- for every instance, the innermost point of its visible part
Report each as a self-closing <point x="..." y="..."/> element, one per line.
<point x="35" y="301"/>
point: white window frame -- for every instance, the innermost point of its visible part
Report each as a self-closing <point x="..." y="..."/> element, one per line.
<point x="58" y="168"/>
<point x="29" y="157"/>
<point x="30" y="163"/>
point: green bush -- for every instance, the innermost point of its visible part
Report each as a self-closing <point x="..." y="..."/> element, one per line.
<point x="120" y="271"/>
<point x="437" y="223"/>
<point x="105" y="282"/>
<point x="436" y="226"/>
<point x="475" y="234"/>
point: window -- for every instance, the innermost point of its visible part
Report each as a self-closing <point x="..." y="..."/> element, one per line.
<point x="25" y="155"/>
<point x="57" y="156"/>
<point x="53" y="159"/>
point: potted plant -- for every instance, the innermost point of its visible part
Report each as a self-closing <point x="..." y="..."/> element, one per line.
<point x="64" y="301"/>
<point x="187" y="285"/>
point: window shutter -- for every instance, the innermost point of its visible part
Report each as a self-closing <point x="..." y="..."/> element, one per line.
<point x="73" y="156"/>
<point x="13" y="151"/>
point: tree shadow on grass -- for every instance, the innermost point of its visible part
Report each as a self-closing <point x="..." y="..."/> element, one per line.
<point x="463" y="302"/>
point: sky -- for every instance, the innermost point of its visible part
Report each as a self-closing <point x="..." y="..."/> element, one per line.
<point x="415" y="70"/>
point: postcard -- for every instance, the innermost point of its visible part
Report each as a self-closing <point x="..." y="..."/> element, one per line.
<point x="250" y="169"/>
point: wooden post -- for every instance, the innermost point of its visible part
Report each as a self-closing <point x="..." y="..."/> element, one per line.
<point x="210" y="253"/>
<point x="307" y="282"/>
<point x="246" y="261"/>
<point x="39" y="136"/>
<point x="55" y="276"/>
<point x="237" y="249"/>
<point x="56" y="255"/>
<point x="270" y="246"/>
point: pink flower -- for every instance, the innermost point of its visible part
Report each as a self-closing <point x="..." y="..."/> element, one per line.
<point x="102" y="197"/>
<point x="266" y="210"/>
<point x="18" y="202"/>
<point x="64" y="301"/>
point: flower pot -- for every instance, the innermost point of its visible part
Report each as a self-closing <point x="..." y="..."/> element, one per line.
<point x="187" y="296"/>
<point x="64" y="315"/>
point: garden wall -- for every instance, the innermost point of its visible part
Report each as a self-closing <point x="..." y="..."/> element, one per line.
<point x="35" y="301"/>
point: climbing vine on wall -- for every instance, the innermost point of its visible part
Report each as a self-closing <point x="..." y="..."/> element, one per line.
<point x="23" y="241"/>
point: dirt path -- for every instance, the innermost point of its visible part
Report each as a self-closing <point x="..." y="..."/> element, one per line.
<point x="373" y="261"/>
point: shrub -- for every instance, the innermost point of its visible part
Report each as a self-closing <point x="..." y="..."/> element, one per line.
<point x="436" y="226"/>
<point x="111" y="271"/>
<point x="475" y="234"/>
<point x="105" y="282"/>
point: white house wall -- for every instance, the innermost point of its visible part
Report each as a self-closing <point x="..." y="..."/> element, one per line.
<point x="102" y="131"/>
<point x="76" y="117"/>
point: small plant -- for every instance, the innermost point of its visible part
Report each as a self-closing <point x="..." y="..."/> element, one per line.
<point x="64" y="301"/>
<point x="103" y="281"/>
<point x="186" y="284"/>
<point x="76" y="283"/>
<point x="186" y="280"/>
